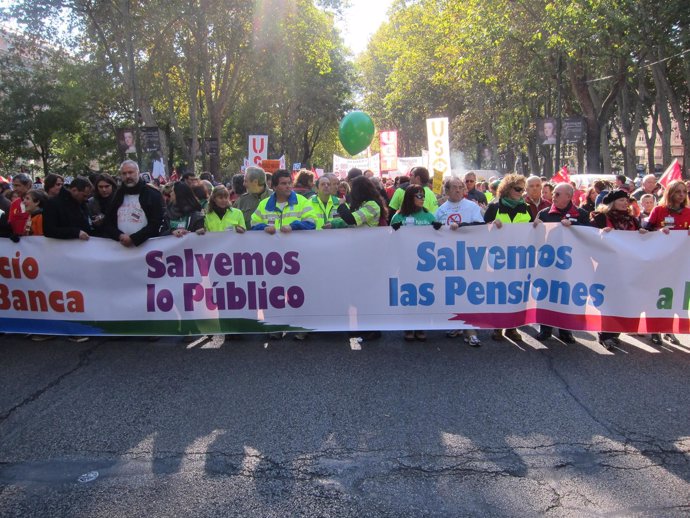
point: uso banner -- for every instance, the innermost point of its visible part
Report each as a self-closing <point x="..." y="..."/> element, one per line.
<point x="356" y="279"/>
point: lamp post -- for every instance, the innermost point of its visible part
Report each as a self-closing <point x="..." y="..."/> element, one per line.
<point x="558" y="117"/>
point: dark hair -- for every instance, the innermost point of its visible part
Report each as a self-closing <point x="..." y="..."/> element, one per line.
<point x="304" y="178"/>
<point x="621" y="178"/>
<point x="39" y="196"/>
<point x="51" y="180"/>
<point x="408" y="208"/>
<point x="206" y="176"/>
<point x="318" y="180"/>
<point x="23" y="178"/>
<point x="105" y="178"/>
<point x="238" y="184"/>
<point x="81" y="184"/>
<point x="600" y="185"/>
<point x="363" y="190"/>
<point x="200" y="192"/>
<point x="187" y="175"/>
<point x="280" y="173"/>
<point x="185" y="200"/>
<point x="354" y="173"/>
<point x="422" y="173"/>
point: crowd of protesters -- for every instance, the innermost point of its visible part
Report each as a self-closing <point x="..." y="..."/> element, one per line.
<point x="130" y="210"/>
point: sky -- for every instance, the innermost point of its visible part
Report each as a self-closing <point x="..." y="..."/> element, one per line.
<point x="361" y="21"/>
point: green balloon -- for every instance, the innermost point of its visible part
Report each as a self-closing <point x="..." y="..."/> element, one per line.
<point x="356" y="131"/>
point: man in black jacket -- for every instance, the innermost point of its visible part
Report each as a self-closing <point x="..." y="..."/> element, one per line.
<point x="136" y="213"/>
<point x="66" y="216"/>
<point x="564" y="212"/>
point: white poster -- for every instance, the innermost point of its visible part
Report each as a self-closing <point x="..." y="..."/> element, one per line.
<point x="258" y="149"/>
<point x="342" y="165"/>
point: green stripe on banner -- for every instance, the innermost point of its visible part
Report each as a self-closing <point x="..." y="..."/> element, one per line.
<point x="190" y="327"/>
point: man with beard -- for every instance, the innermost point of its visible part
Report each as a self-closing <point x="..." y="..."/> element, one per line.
<point x="136" y="213"/>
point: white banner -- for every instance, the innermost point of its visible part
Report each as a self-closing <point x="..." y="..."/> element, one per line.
<point x="439" y="147"/>
<point x="388" y="141"/>
<point x="414" y="278"/>
<point x="342" y="165"/>
<point x="258" y="149"/>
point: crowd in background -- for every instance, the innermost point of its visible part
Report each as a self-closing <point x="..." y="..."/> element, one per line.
<point x="130" y="208"/>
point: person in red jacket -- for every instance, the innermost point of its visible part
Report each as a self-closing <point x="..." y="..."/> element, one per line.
<point x="672" y="213"/>
<point x="18" y="215"/>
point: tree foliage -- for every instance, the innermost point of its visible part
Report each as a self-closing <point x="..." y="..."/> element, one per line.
<point x="492" y="66"/>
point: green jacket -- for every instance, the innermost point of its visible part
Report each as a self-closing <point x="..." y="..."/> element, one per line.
<point x="324" y="213"/>
<point x="248" y="203"/>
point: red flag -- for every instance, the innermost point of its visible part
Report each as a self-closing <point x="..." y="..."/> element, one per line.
<point x="561" y="176"/>
<point x="672" y="173"/>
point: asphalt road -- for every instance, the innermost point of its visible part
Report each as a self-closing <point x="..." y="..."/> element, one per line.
<point x="329" y="427"/>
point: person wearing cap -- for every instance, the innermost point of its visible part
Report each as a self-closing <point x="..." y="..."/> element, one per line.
<point x="615" y="213"/>
<point x="563" y="211"/>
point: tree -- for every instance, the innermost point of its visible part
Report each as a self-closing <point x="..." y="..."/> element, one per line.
<point x="39" y="104"/>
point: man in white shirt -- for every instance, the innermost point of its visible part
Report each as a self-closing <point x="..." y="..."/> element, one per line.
<point x="458" y="210"/>
<point x="455" y="212"/>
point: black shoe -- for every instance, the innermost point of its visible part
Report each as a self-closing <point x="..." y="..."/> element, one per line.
<point x="656" y="339"/>
<point x="543" y="335"/>
<point x="371" y="335"/>
<point x="609" y="344"/>
<point x="670" y="337"/>
<point x="567" y="337"/>
<point x="513" y="334"/>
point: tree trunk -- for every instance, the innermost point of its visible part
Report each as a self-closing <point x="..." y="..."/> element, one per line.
<point x="650" y="132"/>
<point x="595" y="116"/>
<point x="661" y="80"/>
<point x="666" y="127"/>
<point x="580" y="158"/>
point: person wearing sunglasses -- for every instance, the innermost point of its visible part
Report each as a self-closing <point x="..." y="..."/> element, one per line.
<point x="508" y="207"/>
<point x="412" y="210"/>
<point x="413" y="213"/>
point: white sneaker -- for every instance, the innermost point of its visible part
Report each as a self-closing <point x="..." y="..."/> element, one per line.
<point x="78" y="339"/>
<point x="41" y="338"/>
<point x="474" y="341"/>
